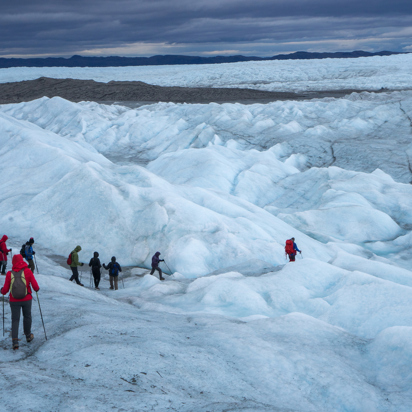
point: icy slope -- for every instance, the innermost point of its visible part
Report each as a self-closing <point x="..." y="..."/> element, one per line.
<point x="369" y="73"/>
<point x="67" y="194"/>
<point x="310" y="337"/>
<point x="363" y="132"/>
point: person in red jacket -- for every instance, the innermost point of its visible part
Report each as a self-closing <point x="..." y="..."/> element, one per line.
<point x="19" y="265"/>
<point x="3" y="254"/>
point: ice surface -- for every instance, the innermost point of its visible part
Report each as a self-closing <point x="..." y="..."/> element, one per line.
<point x="217" y="189"/>
<point x="363" y="132"/>
<point x="365" y="73"/>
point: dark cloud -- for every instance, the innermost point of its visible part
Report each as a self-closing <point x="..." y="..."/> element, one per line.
<point x="102" y="27"/>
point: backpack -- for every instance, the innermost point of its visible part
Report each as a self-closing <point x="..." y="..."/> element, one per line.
<point x="115" y="269"/>
<point x="69" y="259"/>
<point x="18" y="285"/>
<point x="289" y="249"/>
<point x="23" y="250"/>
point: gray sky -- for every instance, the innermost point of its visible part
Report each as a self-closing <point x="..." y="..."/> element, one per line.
<point x="44" y="28"/>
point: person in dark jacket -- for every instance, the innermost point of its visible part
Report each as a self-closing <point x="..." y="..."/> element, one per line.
<point x="155" y="265"/>
<point x="3" y="254"/>
<point x="95" y="265"/>
<point x="74" y="264"/>
<point x="24" y="304"/>
<point x="114" y="268"/>
<point x="30" y="253"/>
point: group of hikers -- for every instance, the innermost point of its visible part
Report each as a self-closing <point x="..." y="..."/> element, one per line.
<point x="20" y="279"/>
<point x="113" y="267"/>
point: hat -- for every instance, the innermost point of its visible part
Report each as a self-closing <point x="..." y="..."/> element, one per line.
<point x="31" y="240"/>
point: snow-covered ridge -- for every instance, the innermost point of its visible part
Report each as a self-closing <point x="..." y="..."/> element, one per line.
<point x="366" y="73"/>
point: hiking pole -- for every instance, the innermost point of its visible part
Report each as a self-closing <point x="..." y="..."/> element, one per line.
<point x="35" y="261"/>
<point x="91" y="278"/>
<point x="168" y="267"/>
<point x="38" y="300"/>
<point x="3" y="315"/>
<point x="123" y="282"/>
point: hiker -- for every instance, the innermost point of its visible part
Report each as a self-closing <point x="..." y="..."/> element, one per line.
<point x="291" y="248"/>
<point x="29" y="253"/>
<point x="95" y="265"/>
<point x="155" y="265"/>
<point x="74" y="263"/>
<point x="114" y="268"/>
<point x="3" y="254"/>
<point x="18" y="281"/>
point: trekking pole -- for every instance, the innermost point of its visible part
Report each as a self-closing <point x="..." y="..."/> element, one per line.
<point x="91" y="278"/>
<point x="3" y="315"/>
<point x="168" y="267"/>
<point x="35" y="261"/>
<point x="38" y="300"/>
<point x="123" y="282"/>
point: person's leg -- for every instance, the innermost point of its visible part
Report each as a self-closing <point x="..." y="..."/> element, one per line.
<point x="3" y="266"/>
<point x="292" y="258"/>
<point x="31" y="265"/>
<point x="152" y="271"/>
<point x="75" y="275"/>
<point x="116" y="279"/>
<point x="160" y="273"/>
<point x="97" y="278"/>
<point x="15" y="319"/>
<point x="26" y="306"/>
<point x="96" y="283"/>
<point x="111" y="282"/>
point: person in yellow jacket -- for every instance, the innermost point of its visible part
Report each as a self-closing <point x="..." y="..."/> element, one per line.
<point x="74" y="264"/>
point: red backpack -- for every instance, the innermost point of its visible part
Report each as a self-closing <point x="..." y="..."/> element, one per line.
<point x="289" y="249"/>
<point x="69" y="259"/>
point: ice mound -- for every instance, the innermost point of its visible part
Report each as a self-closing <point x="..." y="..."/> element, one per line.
<point x="77" y="196"/>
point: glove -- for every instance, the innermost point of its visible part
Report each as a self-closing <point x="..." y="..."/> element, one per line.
<point x="10" y="249"/>
<point x="81" y="264"/>
<point x="34" y="252"/>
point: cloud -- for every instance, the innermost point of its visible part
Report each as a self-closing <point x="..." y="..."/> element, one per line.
<point x="142" y="27"/>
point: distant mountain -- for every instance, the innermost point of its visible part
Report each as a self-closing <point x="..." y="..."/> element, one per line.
<point x="116" y="61"/>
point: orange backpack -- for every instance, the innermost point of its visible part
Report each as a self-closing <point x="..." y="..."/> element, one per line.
<point x="289" y="249"/>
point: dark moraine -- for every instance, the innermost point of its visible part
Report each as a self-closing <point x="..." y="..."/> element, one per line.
<point x="129" y="92"/>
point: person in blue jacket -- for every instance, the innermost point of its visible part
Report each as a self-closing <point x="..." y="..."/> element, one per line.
<point x="295" y="247"/>
<point x="30" y="253"/>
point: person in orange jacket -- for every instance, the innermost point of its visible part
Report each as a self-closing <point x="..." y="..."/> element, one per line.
<point x="19" y="281"/>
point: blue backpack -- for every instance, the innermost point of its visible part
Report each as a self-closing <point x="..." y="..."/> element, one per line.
<point x="115" y="269"/>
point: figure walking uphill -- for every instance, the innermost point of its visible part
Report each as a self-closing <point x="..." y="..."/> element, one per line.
<point x="18" y="282"/>
<point x="155" y="265"/>
<point x="95" y="265"/>
<point x="114" y="268"/>
<point x="73" y="261"/>
<point x="291" y="248"/>
<point x="3" y="254"/>
<point x="29" y="253"/>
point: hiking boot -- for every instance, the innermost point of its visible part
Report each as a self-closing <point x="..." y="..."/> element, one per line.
<point x="15" y="344"/>
<point x="30" y="337"/>
<point x="111" y="287"/>
<point x="81" y="284"/>
<point x="162" y="278"/>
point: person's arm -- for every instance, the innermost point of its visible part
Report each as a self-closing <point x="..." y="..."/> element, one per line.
<point x="295" y="246"/>
<point x="6" y="286"/>
<point x="99" y="263"/>
<point x="106" y="267"/>
<point x="120" y="269"/>
<point x="75" y="259"/>
<point x="90" y="263"/>
<point x="33" y="280"/>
